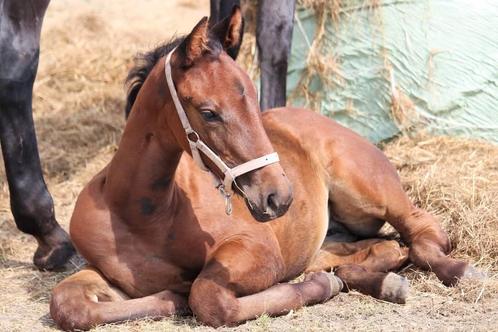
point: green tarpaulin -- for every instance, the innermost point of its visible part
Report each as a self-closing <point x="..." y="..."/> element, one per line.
<point x="439" y="59"/>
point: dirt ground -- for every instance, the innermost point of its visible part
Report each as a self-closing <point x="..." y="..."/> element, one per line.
<point x="87" y="49"/>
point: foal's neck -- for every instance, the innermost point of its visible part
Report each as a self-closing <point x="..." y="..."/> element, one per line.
<point x="140" y="178"/>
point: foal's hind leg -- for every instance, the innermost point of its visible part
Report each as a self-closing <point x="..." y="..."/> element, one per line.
<point x="86" y="299"/>
<point x="363" y="266"/>
<point x="375" y="193"/>
<point x="429" y="244"/>
<point x="374" y="254"/>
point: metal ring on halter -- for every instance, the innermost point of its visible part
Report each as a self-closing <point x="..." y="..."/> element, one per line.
<point x="188" y="132"/>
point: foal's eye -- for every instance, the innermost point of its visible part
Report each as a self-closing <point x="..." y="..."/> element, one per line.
<point x="209" y="115"/>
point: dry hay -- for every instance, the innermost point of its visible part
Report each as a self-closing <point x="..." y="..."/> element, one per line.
<point x="457" y="180"/>
<point x="79" y="117"/>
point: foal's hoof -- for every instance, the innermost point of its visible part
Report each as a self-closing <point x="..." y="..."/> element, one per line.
<point x="456" y="271"/>
<point x="54" y="250"/>
<point x="329" y="281"/>
<point x="473" y="273"/>
<point x="394" y="288"/>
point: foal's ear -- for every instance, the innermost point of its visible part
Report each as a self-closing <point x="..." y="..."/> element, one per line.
<point x="196" y="42"/>
<point x="229" y="32"/>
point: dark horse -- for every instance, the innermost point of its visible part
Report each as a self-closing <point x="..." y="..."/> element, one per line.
<point x="20" y="26"/>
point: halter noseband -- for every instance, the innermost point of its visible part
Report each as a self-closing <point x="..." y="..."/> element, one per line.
<point x="197" y="146"/>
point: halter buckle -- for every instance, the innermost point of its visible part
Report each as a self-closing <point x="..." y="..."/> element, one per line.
<point x="228" y="199"/>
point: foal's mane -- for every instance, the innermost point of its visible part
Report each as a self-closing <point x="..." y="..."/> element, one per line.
<point x="144" y="62"/>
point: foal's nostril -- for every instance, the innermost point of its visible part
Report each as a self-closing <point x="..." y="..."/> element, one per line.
<point x="270" y="205"/>
<point x="271" y="202"/>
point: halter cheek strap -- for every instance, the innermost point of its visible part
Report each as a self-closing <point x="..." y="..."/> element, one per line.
<point x="197" y="146"/>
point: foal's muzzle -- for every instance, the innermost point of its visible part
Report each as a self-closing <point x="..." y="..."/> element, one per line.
<point x="271" y="207"/>
<point x="268" y="193"/>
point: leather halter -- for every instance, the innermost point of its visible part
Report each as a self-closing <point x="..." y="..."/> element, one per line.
<point x="197" y="146"/>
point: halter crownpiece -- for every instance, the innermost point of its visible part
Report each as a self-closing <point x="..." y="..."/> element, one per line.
<point x="197" y="146"/>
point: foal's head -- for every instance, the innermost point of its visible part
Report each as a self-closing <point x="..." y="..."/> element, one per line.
<point x="222" y="107"/>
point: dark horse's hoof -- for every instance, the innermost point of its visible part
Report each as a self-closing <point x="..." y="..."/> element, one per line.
<point x="54" y="250"/>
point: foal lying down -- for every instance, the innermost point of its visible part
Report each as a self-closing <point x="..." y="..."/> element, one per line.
<point x="162" y="238"/>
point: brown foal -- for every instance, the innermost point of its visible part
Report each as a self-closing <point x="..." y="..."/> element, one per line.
<point x="154" y="231"/>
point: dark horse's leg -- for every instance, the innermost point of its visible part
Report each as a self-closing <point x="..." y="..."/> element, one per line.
<point x="31" y="203"/>
<point x="274" y="37"/>
<point x="219" y="10"/>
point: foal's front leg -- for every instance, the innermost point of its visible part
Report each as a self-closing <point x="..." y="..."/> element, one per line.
<point x="238" y="284"/>
<point x="86" y="299"/>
